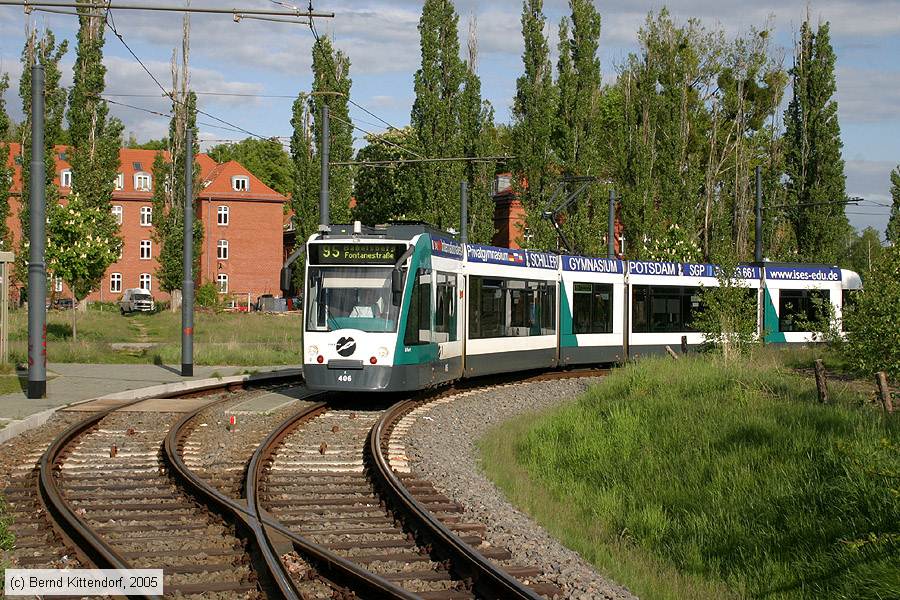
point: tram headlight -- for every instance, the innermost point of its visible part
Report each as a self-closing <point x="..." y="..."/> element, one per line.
<point x="382" y="352"/>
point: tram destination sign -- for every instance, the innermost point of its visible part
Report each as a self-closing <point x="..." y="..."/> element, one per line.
<point x="355" y="254"/>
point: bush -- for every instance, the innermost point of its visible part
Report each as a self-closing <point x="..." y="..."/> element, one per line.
<point x="728" y="314"/>
<point x="872" y="319"/>
<point x="208" y="296"/>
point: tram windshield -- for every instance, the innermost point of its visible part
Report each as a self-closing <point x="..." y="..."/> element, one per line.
<point x="350" y="298"/>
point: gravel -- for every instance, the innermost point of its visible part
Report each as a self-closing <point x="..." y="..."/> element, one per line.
<point x="442" y="449"/>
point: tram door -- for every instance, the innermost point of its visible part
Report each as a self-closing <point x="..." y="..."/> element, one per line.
<point x="448" y="362"/>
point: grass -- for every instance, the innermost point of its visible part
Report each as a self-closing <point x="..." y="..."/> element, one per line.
<point x="695" y="479"/>
<point x="219" y="338"/>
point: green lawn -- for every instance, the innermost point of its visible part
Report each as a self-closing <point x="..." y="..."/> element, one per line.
<point x="219" y="338"/>
<point x="693" y="479"/>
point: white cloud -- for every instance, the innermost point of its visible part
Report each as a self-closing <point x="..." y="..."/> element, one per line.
<point x="868" y="95"/>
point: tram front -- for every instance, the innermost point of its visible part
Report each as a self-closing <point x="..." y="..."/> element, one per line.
<point x="354" y="293"/>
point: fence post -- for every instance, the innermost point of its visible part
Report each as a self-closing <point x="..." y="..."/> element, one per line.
<point x="821" y="383"/>
<point x="684" y="347"/>
<point x="884" y="390"/>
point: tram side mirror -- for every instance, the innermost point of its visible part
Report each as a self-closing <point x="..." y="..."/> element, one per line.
<point x="396" y="287"/>
<point x="286" y="284"/>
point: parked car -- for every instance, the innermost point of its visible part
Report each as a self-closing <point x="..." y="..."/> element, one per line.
<point x="136" y="299"/>
<point x="63" y="304"/>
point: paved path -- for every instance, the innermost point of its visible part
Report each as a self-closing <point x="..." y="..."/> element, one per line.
<point x="71" y="382"/>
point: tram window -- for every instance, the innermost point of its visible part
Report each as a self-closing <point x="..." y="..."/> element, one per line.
<point x="547" y="315"/>
<point x="664" y="309"/>
<point x="592" y="308"/>
<point x="487" y="308"/>
<point x="418" y="321"/>
<point x="801" y="310"/>
<point x="445" y="308"/>
<point x="510" y="308"/>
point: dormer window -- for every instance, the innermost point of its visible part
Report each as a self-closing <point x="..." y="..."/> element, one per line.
<point x="119" y="182"/>
<point x="240" y="183"/>
<point x="65" y="178"/>
<point x="143" y="182"/>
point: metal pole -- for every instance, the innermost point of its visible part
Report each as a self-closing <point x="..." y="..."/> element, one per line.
<point x="464" y="211"/>
<point x="37" y="276"/>
<point x="324" y="219"/>
<point x="187" y="286"/>
<point x="611" y="227"/>
<point x="757" y="255"/>
<point x="4" y="314"/>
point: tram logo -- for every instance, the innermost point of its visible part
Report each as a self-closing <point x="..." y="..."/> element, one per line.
<point x="346" y="346"/>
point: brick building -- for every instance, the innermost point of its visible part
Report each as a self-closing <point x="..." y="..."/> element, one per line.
<point x="241" y="216"/>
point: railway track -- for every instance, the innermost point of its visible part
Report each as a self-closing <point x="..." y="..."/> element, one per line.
<point x="318" y="505"/>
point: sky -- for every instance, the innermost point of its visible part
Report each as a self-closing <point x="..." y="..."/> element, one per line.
<point x="268" y="63"/>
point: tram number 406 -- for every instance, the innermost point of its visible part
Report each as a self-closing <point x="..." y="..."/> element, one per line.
<point x="345" y="378"/>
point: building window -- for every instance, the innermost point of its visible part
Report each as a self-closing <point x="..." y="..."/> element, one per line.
<point x="117" y="213"/>
<point x="146" y="216"/>
<point x="145" y="281"/>
<point x="222" y="283"/>
<point x="115" y="282"/>
<point x="145" y="250"/>
<point x="240" y="183"/>
<point x="143" y="182"/>
<point x="222" y="249"/>
<point x="119" y="182"/>
<point x="593" y="308"/>
<point x="65" y="178"/>
<point x="57" y="284"/>
<point x="222" y="215"/>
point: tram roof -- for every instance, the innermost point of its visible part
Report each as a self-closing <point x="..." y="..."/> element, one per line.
<point x="395" y="230"/>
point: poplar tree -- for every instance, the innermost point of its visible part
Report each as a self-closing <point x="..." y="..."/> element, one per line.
<point x="534" y="108"/>
<point x="6" y="172"/>
<point x="331" y="73"/>
<point x="169" y="180"/>
<point x="46" y="51"/>
<point x="578" y="119"/>
<point x="479" y="138"/>
<point x="893" y="226"/>
<point x="435" y="113"/>
<point x="814" y="166"/>
<point x="305" y="193"/>
<point x="94" y="156"/>
<point x="95" y="139"/>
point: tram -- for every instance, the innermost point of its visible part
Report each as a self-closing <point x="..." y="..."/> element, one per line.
<point x="404" y="307"/>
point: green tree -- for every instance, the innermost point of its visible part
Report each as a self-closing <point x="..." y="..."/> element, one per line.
<point x="435" y="113"/>
<point x="169" y="200"/>
<point x="6" y="173"/>
<point x="728" y="314"/>
<point x="305" y="193"/>
<point x="389" y="192"/>
<point x="94" y="150"/>
<point x="160" y="144"/>
<point x="78" y="251"/>
<point x="893" y="226"/>
<point x="742" y="134"/>
<point x="479" y="138"/>
<point x="865" y="250"/>
<point x="331" y="86"/>
<point x="264" y="158"/>
<point x="49" y="54"/>
<point x="534" y="109"/>
<point x="870" y="320"/>
<point x="814" y="166"/>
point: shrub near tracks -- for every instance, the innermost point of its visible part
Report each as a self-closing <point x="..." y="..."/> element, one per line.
<point x="719" y="474"/>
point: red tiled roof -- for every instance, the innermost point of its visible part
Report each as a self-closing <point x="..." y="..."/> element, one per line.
<point x="216" y="178"/>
